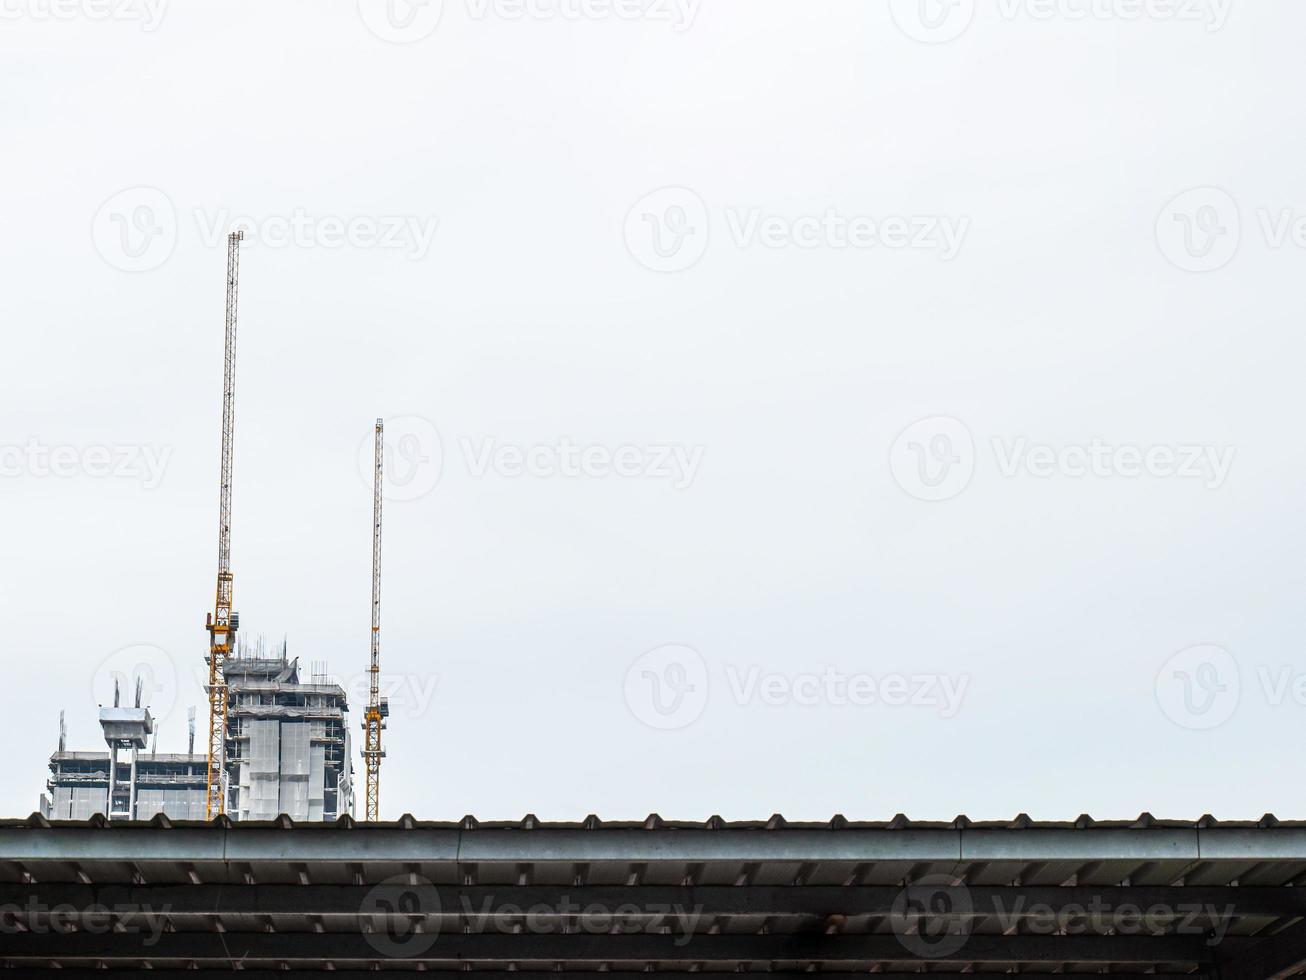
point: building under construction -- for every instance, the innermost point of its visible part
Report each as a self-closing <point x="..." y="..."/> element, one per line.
<point x="275" y="745"/>
<point x="287" y="751"/>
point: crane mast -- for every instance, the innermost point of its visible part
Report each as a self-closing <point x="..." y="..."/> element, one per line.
<point x="377" y="706"/>
<point x="222" y="622"/>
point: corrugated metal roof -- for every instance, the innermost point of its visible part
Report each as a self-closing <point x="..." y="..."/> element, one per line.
<point x="766" y="895"/>
<point x="654" y="821"/>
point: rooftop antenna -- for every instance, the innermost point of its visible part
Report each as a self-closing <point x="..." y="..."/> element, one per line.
<point x="63" y="734"/>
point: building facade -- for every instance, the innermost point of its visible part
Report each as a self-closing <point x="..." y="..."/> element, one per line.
<point x="288" y="747"/>
<point x="288" y="752"/>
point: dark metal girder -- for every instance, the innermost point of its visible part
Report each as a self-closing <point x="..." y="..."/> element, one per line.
<point x="81" y="974"/>
<point x="800" y="949"/>
<point x="1274" y="957"/>
<point x="479" y="902"/>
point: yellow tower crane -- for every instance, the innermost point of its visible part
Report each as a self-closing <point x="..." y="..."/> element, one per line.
<point x="378" y="708"/>
<point x="222" y="622"/>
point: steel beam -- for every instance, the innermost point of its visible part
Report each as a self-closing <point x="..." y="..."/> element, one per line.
<point x="851" y="951"/>
<point x="477" y="903"/>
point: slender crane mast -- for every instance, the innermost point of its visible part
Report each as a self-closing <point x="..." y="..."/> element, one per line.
<point x="222" y="622"/>
<point x="377" y="708"/>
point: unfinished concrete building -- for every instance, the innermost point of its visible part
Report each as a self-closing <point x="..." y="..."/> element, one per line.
<point x="288" y="751"/>
<point x="288" y="748"/>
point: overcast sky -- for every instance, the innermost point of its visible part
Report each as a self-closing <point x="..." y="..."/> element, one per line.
<point x="809" y="407"/>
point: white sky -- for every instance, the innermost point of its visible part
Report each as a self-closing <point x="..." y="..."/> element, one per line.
<point x="779" y="374"/>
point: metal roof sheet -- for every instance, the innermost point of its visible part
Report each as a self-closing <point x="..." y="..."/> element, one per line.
<point x="770" y="895"/>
